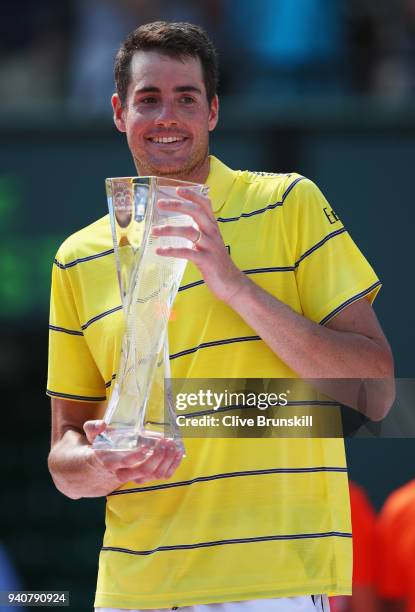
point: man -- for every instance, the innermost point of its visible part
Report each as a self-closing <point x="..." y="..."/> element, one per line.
<point x="261" y="523"/>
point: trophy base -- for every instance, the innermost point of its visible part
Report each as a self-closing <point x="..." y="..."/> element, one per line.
<point x="127" y="439"/>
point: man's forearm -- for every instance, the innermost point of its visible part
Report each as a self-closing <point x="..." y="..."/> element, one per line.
<point x="75" y="469"/>
<point x="311" y="350"/>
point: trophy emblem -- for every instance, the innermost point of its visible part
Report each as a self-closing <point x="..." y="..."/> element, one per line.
<point x="140" y="409"/>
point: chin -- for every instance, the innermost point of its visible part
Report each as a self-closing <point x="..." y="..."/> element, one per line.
<point x="179" y="167"/>
<point x="171" y="169"/>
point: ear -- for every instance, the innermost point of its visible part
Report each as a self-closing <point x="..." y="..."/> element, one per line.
<point x="213" y="114"/>
<point x="118" y="113"/>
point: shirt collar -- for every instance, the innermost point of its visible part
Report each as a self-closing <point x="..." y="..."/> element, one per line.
<point x="220" y="180"/>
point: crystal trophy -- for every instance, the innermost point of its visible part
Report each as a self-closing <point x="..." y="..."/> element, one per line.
<point x="140" y="409"/>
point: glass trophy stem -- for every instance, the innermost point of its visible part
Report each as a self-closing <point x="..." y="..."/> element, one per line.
<point x="140" y="409"/>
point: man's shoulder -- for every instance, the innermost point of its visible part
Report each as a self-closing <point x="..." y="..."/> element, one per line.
<point x="279" y="183"/>
<point x="289" y="190"/>
<point x="251" y="176"/>
<point x="90" y="242"/>
<point x="258" y="187"/>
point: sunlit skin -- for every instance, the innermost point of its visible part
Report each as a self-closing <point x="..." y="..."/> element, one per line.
<point x="167" y="97"/>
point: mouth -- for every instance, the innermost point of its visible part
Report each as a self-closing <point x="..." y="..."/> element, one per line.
<point x="167" y="141"/>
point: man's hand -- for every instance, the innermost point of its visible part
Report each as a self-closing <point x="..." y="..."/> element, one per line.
<point x="209" y="252"/>
<point x="140" y="465"/>
<point x="80" y="471"/>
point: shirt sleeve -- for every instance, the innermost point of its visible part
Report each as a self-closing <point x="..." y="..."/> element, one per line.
<point x="331" y="272"/>
<point x="72" y="371"/>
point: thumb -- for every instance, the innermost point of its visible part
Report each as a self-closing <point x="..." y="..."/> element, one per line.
<point x="93" y="428"/>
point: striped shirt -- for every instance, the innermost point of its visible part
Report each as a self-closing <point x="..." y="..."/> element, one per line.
<point x="240" y="518"/>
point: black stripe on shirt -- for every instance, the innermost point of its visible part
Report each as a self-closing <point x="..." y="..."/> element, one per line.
<point x="190" y="285"/>
<point x="270" y="269"/>
<point x="100" y="316"/>
<point x="354" y="298"/>
<point x="319" y="244"/>
<point x="75" y="262"/>
<point x="184" y="483"/>
<point x="270" y="538"/>
<point x="213" y="343"/>
<point x="252" y="271"/>
<point x="72" y="332"/>
<point x="109" y="383"/>
<point x="86" y="398"/>
<point x="261" y="210"/>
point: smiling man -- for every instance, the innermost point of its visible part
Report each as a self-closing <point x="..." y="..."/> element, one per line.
<point x="166" y="115"/>
<point x="275" y="287"/>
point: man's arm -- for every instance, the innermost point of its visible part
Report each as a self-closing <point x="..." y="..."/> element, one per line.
<point x="352" y="345"/>
<point x="79" y="471"/>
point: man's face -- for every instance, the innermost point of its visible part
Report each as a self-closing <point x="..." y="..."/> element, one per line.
<point x="166" y="116"/>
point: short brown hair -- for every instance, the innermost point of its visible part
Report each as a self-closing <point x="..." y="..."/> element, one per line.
<point x="172" y="39"/>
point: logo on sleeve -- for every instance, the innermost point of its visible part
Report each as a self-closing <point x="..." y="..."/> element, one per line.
<point x="331" y="215"/>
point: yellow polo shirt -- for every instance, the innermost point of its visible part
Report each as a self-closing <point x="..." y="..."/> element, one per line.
<point x="240" y="518"/>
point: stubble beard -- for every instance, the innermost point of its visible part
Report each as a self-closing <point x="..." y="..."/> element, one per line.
<point x="186" y="172"/>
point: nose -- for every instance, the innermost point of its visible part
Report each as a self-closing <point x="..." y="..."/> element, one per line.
<point x="166" y="117"/>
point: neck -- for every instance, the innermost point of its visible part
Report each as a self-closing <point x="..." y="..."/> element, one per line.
<point x="197" y="174"/>
<point x="200" y="174"/>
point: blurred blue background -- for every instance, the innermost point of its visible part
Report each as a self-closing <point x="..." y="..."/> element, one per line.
<point x="321" y="87"/>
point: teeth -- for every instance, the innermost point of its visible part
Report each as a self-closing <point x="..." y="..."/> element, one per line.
<point x="166" y="139"/>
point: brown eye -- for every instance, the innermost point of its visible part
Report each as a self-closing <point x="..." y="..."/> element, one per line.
<point x="187" y="99"/>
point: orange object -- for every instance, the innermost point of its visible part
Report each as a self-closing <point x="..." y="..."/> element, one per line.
<point x="395" y="575"/>
<point x="363" y="529"/>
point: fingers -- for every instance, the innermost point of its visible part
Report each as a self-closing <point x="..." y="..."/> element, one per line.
<point x="115" y="460"/>
<point x="197" y="198"/>
<point x="170" y="457"/>
<point x="155" y="466"/>
<point x="174" y="464"/>
<point x="93" y="428"/>
<point x="198" y="213"/>
<point x="186" y="231"/>
<point x="165" y="470"/>
<point x="182" y="253"/>
<point x="143" y="464"/>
